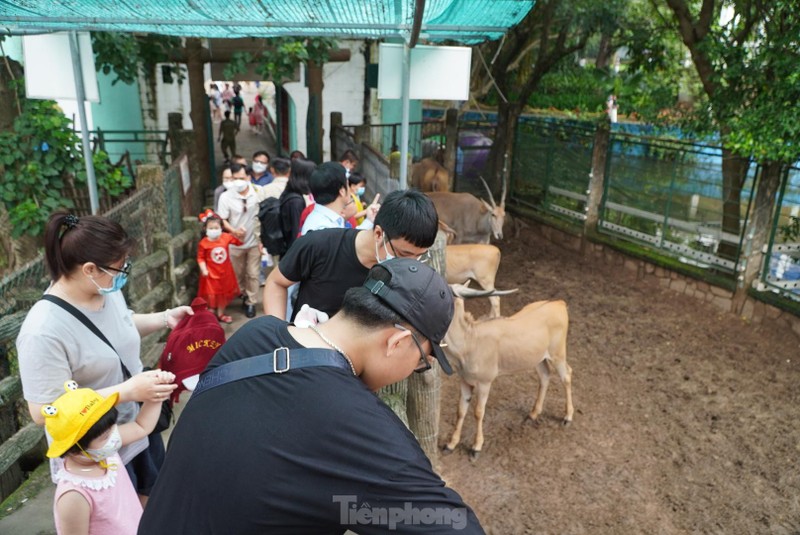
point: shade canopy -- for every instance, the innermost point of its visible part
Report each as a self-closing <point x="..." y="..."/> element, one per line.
<point x="465" y="21"/>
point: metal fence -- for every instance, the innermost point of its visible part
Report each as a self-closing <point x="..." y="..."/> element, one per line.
<point x="129" y="148"/>
<point x="424" y="137"/>
<point x="663" y="193"/>
<point x="781" y="273"/>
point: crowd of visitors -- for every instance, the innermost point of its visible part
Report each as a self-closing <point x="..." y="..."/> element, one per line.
<point x="284" y="423"/>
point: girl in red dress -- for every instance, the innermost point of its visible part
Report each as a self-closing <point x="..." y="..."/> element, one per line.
<point x="217" y="279"/>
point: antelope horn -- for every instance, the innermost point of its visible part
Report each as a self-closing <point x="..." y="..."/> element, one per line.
<point x="504" y="292"/>
<point x="461" y="290"/>
<point x="485" y="185"/>
<point x="503" y="194"/>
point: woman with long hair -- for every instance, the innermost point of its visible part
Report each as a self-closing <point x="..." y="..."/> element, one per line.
<point x="89" y="263"/>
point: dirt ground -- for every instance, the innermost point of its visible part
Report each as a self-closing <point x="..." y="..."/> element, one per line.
<point x="686" y="418"/>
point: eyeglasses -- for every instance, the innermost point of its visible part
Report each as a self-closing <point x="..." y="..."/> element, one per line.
<point x="424" y="257"/>
<point x="424" y="364"/>
<point x="126" y="268"/>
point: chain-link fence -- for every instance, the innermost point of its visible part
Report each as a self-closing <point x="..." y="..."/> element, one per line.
<point x="663" y="193"/>
<point x="781" y="273"/>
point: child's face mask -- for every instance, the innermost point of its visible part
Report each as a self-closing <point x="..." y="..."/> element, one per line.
<point x="213" y="233"/>
<point x="111" y="446"/>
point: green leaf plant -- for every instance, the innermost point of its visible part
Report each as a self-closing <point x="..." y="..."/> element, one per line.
<point x="37" y="157"/>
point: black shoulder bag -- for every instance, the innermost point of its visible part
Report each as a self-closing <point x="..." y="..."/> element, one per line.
<point x="165" y="419"/>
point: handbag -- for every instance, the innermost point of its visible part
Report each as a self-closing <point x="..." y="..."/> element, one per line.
<point x="166" y="416"/>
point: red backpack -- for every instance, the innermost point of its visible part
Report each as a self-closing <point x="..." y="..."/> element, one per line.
<point x="191" y="345"/>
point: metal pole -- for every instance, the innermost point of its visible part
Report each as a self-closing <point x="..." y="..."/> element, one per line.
<point x="81" y="98"/>
<point x="405" y="116"/>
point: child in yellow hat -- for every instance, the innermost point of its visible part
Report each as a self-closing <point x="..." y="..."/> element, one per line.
<point x="94" y="493"/>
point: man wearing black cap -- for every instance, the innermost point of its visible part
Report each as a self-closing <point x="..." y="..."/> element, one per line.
<point x="303" y="445"/>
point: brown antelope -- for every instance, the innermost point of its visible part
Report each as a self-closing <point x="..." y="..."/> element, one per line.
<point x="476" y="261"/>
<point x="430" y="175"/>
<point x="474" y="220"/>
<point x="482" y="350"/>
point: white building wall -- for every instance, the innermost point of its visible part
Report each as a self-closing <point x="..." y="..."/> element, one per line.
<point x="170" y="98"/>
<point x="343" y="92"/>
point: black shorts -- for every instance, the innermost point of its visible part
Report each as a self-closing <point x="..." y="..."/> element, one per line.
<point x="144" y="468"/>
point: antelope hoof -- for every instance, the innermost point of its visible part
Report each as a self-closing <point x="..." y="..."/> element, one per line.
<point x="447" y="450"/>
<point x="533" y="421"/>
<point x="565" y="422"/>
<point x="474" y="454"/>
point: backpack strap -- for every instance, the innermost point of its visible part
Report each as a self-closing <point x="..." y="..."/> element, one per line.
<point x="279" y="361"/>
<point x="80" y="316"/>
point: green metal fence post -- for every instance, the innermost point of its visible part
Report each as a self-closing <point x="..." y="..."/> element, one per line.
<point x="775" y="220"/>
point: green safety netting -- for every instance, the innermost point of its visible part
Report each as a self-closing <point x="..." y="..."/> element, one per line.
<point x="466" y="21"/>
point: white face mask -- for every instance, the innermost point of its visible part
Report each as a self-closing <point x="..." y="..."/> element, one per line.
<point x="259" y="167"/>
<point x="227" y="184"/>
<point x="111" y="446"/>
<point x="385" y="250"/>
<point x="239" y="185"/>
<point x="213" y="233"/>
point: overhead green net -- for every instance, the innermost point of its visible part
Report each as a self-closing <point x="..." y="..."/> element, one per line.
<point x="466" y="21"/>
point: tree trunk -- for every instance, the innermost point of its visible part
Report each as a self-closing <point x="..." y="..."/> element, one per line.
<point x="424" y="403"/>
<point x="198" y="99"/>
<point x="503" y="146"/>
<point x="598" y="177"/>
<point x="10" y="70"/>
<point x="603" y="51"/>
<point x="314" y="117"/>
<point x="759" y="226"/>
<point x="734" y="172"/>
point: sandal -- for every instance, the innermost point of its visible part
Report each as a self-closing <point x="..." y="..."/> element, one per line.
<point x="223" y="318"/>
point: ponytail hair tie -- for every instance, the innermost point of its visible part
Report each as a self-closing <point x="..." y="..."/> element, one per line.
<point x="71" y="221"/>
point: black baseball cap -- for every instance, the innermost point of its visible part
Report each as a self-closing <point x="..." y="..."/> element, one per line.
<point x="419" y="295"/>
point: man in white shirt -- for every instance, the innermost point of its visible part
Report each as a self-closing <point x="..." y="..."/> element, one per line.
<point x="328" y="185"/>
<point x="280" y="169"/>
<point x="238" y="208"/>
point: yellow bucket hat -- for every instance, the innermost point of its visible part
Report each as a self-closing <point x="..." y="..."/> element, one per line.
<point x="69" y="417"/>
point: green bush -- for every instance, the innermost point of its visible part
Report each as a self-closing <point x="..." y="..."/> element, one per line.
<point x="36" y="158"/>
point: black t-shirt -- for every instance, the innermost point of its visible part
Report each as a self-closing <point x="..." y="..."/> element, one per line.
<point x="309" y="451"/>
<point x="326" y="265"/>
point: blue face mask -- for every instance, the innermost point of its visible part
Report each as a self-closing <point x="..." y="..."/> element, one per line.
<point x="117" y="283"/>
<point x="360" y="191"/>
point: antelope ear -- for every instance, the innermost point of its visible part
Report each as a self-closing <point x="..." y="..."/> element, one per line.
<point x="487" y="205"/>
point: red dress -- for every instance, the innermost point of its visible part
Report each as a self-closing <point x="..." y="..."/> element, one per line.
<point x="220" y="286"/>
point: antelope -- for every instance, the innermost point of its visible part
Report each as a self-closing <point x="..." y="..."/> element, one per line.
<point x="476" y="261"/>
<point x="474" y="220"/>
<point x="430" y="175"/>
<point x="533" y="338"/>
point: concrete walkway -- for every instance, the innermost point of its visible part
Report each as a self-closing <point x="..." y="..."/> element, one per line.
<point x="29" y="511"/>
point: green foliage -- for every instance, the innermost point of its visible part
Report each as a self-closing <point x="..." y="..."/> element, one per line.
<point x="36" y="158"/>
<point x="280" y="58"/>
<point x="127" y="54"/>
<point x="750" y="66"/>
<point x="791" y="231"/>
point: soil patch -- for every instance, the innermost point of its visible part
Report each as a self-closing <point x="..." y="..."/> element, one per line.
<point x="685" y="416"/>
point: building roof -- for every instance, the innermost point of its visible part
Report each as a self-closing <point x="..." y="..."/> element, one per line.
<point x="464" y="21"/>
